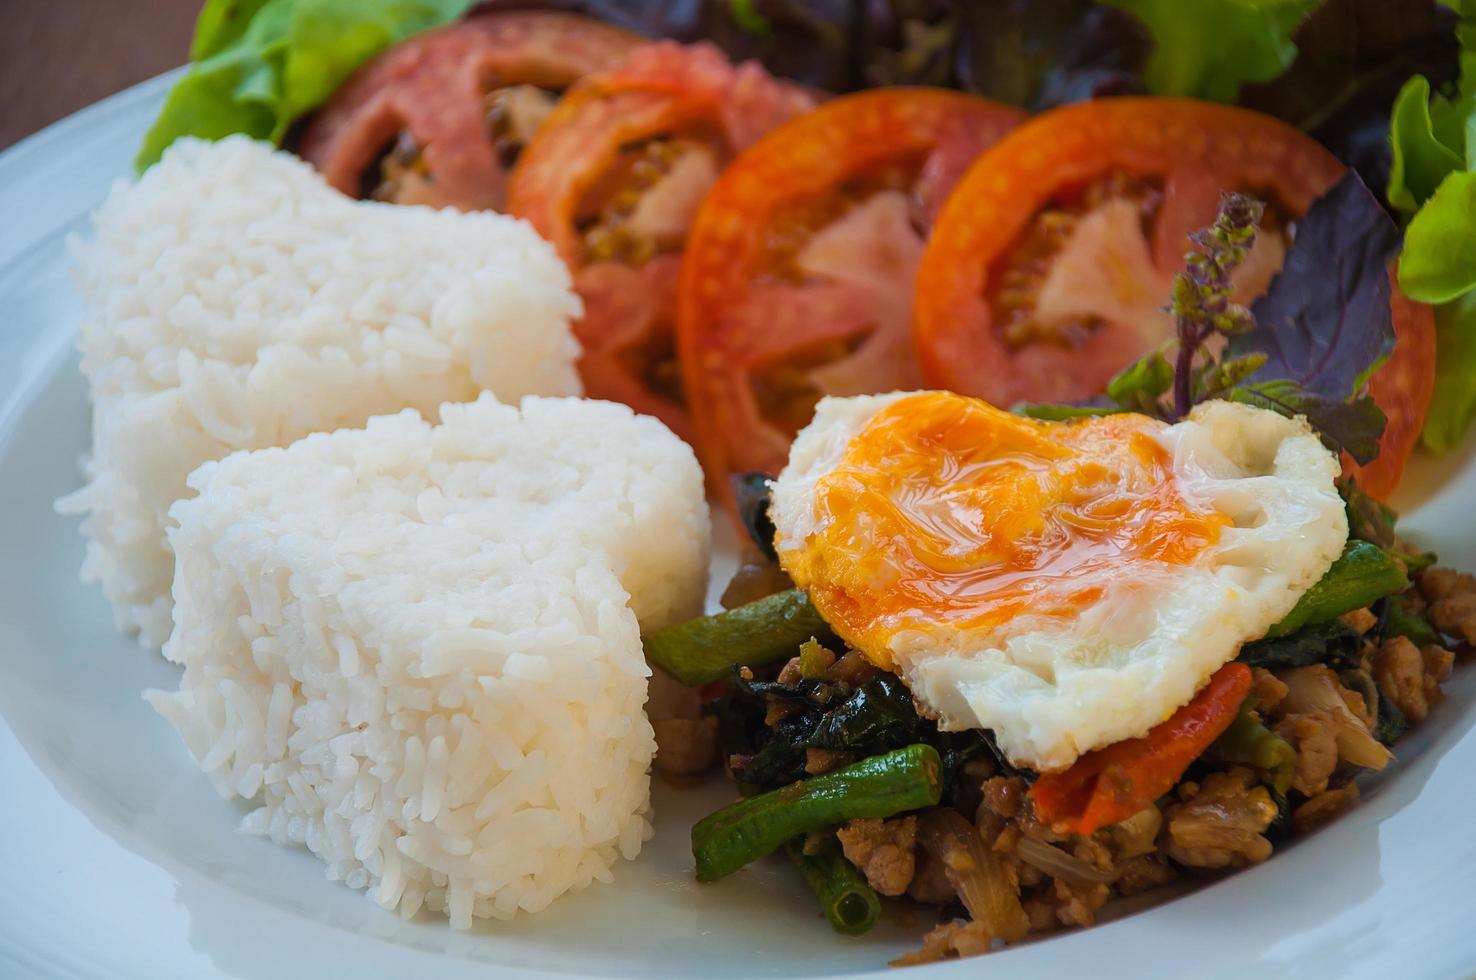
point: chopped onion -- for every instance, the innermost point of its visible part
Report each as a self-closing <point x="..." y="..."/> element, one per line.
<point x="1058" y="864"/>
<point x="1315" y="689"/>
<point x="977" y="874"/>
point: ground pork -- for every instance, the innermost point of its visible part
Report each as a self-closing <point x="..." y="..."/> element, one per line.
<point x="883" y="850"/>
<point x="1314" y="736"/>
<point x="1410" y="677"/>
<point x="1452" y="601"/>
<point x="957" y="938"/>
<point x="930" y="884"/>
<point x="1323" y="808"/>
<point x="1267" y="688"/>
<point x="1136" y="835"/>
<point x="1220" y="822"/>
<point x="1077" y="904"/>
<point x="1360" y="620"/>
<point x="1142" y="873"/>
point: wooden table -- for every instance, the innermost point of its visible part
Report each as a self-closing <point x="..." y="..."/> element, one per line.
<point x="57" y="56"/>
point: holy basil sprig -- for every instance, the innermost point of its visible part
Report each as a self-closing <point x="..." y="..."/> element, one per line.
<point x="1305" y="348"/>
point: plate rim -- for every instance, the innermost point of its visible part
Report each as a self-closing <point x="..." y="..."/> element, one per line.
<point x="1075" y="946"/>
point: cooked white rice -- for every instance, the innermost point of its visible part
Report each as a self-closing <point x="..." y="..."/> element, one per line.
<point x="234" y="301"/>
<point x="417" y="649"/>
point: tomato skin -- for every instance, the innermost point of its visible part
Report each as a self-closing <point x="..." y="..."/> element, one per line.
<point x="1402" y="386"/>
<point x="432" y="85"/>
<point x="1195" y="148"/>
<point x="660" y="89"/>
<point x="720" y="346"/>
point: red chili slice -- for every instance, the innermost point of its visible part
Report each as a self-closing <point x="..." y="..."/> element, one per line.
<point x="798" y="276"/>
<point x="1114" y="782"/>
<point x="455" y="102"/>
<point x="614" y="178"/>
<point x="1051" y="261"/>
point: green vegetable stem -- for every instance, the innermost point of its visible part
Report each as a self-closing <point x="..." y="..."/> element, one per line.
<point x="848" y="901"/>
<point x="907" y="779"/>
<point x="708" y="648"/>
<point x="1363" y="574"/>
<point x="1248" y="742"/>
<point x="1399" y="621"/>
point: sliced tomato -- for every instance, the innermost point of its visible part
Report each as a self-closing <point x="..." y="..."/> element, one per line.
<point x="440" y="118"/>
<point x="1050" y="265"/>
<point x="1402" y="387"/>
<point x="799" y="269"/>
<point x="614" y="178"/>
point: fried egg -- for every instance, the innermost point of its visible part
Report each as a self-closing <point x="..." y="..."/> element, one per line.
<point x="1065" y="584"/>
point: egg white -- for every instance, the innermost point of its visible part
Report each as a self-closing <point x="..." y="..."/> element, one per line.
<point x="1051" y="688"/>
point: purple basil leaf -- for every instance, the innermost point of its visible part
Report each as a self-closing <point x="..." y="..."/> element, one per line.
<point x="1351" y="426"/>
<point x="1324" y="322"/>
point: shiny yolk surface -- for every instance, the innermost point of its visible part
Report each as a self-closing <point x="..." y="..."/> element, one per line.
<point x="947" y="511"/>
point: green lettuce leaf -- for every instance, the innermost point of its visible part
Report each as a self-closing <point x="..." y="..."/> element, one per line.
<point x="1209" y="48"/>
<point x="260" y="65"/>
<point x="1434" y="177"/>
<point x="1453" y="405"/>
<point x="1439" y="259"/>
<point x="1421" y="159"/>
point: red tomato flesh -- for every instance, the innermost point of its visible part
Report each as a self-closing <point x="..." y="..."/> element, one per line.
<point x="613" y="179"/>
<point x="798" y="276"/>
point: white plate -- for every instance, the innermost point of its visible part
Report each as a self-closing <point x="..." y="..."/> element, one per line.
<point x="117" y="860"/>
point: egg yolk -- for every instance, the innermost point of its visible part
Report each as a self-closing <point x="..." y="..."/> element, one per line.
<point x="947" y="511"/>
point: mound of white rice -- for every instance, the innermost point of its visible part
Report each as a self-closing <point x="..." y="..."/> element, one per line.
<point x="235" y="301"/>
<point x="418" y="648"/>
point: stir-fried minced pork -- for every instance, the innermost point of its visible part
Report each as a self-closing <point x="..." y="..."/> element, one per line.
<point x="957" y="938"/>
<point x="1411" y="677"/>
<point x="1324" y="808"/>
<point x="1220" y="822"/>
<point x="1452" y="601"/>
<point x="1360" y="620"/>
<point x="1267" y="688"/>
<point x="884" y="851"/>
<point x="930" y="884"/>
<point x="1221" y="817"/>
<point x="1314" y="736"/>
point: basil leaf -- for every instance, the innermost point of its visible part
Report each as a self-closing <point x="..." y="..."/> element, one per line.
<point x="1061" y="413"/>
<point x="1353" y="426"/>
<point x="1142" y="383"/>
<point x="1324" y="323"/>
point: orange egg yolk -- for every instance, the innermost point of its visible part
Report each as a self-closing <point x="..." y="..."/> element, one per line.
<point x="947" y="511"/>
